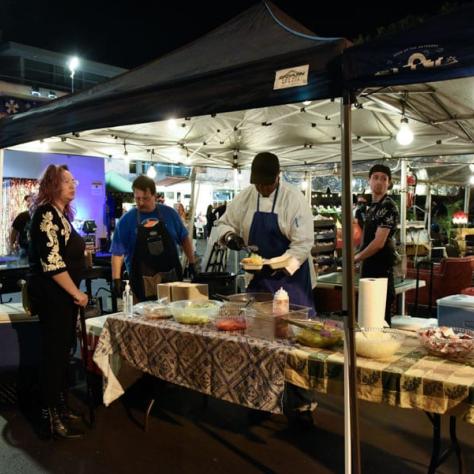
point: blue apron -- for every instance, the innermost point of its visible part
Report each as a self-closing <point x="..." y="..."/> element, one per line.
<point x="266" y="234"/>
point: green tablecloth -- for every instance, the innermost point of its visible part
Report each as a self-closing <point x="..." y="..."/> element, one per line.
<point x="409" y="379"/>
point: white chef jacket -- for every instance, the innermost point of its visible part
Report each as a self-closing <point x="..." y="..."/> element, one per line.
<point x="295" y="218"/>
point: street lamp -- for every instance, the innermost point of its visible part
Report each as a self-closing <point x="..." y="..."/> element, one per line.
<point x="73" y="64"/>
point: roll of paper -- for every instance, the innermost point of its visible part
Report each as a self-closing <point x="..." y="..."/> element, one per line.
<point x="372" y="298"/>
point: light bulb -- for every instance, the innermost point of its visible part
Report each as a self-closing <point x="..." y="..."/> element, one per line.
<point x="151" y="172"/>
<point x="73" y="64"/>
<point x="404" y="135"/>
<point x="304" y="185"/>
<point x="471" y="179"/>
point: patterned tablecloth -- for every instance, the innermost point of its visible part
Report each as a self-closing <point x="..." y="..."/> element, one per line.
<point x="235" y="368"/>
<point x="409" y="379"/>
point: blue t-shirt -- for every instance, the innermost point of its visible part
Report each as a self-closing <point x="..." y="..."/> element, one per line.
<point x="125" y="234"/>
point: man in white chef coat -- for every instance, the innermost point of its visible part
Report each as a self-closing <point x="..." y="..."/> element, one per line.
<point x="275" y="217"/>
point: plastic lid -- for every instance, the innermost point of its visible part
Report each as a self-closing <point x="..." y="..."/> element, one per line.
<point x="465" y="301"/>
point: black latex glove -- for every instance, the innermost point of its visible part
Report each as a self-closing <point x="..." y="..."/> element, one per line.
<point x="234" y="241"/>
<point x="117" y="287"/>
<point x="192" y="272"/>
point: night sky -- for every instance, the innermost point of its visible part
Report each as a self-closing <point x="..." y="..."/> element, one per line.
<point x="129" y="33"/>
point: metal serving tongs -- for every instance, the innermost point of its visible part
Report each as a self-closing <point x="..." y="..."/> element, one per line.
<point x="250" y="249"/>
<point x="301" y="323"/>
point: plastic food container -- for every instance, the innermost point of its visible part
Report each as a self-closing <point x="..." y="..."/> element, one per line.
<point x="378" y="343"/>
<point x="452" y="343"/>
<point x="324" y="333"/>
<point x="194" y="312"/>
<point x="232" y="317"/>
<point x="253" y="297"/>
<point x="264" y="324"/>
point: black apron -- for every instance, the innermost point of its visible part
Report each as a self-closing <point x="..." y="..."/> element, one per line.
<point x="379" y="265"/>
<point x="155" y="259"/>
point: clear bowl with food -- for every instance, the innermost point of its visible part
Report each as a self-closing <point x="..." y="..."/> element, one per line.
<point x="378" y="343"/>
<point x="152" y="310"/>
<point x="318" y="333"/>
<point x="231" y="317"/>
<point x="452" y="343"/>
<point x="194" y="312"/>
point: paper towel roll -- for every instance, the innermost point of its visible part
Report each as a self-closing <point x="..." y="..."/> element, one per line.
<point x="372" y="299"/>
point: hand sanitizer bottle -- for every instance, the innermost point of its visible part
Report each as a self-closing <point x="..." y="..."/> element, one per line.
<point x="127" y="300"/>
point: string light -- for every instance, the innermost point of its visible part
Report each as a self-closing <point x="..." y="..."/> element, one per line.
<point x="404" y="135"/>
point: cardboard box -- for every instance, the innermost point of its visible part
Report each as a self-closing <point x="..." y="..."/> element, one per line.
<point x="180" y="290"/>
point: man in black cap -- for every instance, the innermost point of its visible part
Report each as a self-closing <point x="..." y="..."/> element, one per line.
<point x="377" y="252"/>
<point x="276" y="218"/>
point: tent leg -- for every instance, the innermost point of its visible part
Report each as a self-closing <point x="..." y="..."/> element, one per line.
<point x="351" y="435"/>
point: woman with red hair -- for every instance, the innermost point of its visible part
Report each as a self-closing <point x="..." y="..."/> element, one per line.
<point x="56" y="256"/>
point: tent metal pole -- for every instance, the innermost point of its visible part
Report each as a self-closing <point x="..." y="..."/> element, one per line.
<point x="192" y="201"/>
<point x="351" y="416"/>
<point x="2" y="210"/>
<point x="467" y="197"/>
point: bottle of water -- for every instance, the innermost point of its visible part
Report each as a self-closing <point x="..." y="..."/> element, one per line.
<point x="127" y="298"/>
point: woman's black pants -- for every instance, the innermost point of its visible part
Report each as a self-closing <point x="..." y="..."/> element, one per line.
<point x="58" y="315"/>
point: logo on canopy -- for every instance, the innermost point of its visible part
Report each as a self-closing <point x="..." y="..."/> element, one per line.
<point x="415" y="58"/>
<point x="292" y="77"/>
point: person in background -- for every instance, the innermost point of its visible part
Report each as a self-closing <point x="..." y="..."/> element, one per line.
<point x="19" y="231"/>
<point x="160" y="198"/>
<point x="146" y="237"/>
<point x="210" y="217"/>
<point x="276" y="218"/>
<point x="377" y="252"/>
<point x="57" y="264"/>
<point x="219" y="211"/>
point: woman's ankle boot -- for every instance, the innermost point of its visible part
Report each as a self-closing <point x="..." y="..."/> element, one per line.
<point x="45" y="428"/>
<point x="61" y="429"/>
<point x="65" y="411"/>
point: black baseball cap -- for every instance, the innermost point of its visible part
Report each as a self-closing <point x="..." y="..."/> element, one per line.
<point x="378" y="168"/>
<point x="265" y="168"/>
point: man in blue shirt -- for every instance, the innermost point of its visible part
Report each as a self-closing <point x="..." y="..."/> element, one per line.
<point x="146" y="237"/>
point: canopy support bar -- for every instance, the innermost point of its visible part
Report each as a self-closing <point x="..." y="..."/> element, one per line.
<point x="351" y="417"/>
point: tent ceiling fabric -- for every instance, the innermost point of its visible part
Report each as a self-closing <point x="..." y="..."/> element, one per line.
<point x="298" y="134"/>
<point x="231" y="68"/>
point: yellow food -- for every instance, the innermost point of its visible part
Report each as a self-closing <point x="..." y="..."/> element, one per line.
<point x="254" y="259"/>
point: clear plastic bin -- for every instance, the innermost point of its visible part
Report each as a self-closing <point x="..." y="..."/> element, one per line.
<point x="262" y="323"/>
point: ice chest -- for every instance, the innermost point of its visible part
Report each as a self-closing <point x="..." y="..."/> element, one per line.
<point x="456" y="311"/>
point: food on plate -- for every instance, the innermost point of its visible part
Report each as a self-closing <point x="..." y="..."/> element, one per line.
<point x="447" y="342"/>
<point x="253" y="259"/>
<point x="377" y="343"/>
<point x="152" y="310"/>
<point x="236" y="324"/>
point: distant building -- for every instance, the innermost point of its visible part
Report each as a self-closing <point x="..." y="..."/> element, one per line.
<point x="31" y="76"/>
